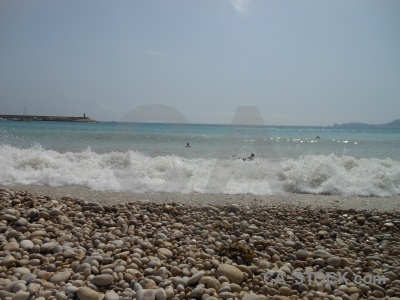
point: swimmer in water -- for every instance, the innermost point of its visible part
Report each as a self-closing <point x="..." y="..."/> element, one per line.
<point x="187" y="145"/>
<point x="251" y="157"/>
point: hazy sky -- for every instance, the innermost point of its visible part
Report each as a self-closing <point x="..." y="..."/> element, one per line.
<point x="300" y="62"/>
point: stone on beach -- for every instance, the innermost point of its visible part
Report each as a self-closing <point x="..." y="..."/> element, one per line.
<point x="11" y="246"/>
<point x="165" y="252"/>
<point x="85" y="293"/>
<point x="233" y="274"/>
<point x="145" y="294"/>
<point x="195" y="278"/>
<point x="111" y="295"/>
<point x="60" y="277"/>
<point x="103" y="279"/>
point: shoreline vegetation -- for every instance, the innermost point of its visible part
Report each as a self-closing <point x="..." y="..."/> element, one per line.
<point x="46" y="118"/>
<point x="98" y="248"/>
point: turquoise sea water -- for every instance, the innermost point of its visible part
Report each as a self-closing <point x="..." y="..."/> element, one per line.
<point x="149" y="157"/>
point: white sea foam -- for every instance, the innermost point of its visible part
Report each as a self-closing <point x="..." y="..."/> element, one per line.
<point x="345" y="175"/>
<point x="133" y="171"/>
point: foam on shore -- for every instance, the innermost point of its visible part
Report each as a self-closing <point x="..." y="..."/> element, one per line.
<point x="388" y="204"/>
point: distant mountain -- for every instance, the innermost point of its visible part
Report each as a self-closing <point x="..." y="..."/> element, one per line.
<point x="391" y="125"/>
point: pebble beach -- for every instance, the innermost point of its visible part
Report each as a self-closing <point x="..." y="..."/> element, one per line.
<point x="72" y="248"/>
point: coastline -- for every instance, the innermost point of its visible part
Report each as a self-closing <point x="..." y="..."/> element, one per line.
<point x="382" y="204"/>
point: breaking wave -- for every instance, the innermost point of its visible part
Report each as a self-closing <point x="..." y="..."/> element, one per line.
<point x="136" y="172"/>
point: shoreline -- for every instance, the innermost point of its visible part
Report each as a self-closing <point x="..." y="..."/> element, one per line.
<point x="381" y="204"/>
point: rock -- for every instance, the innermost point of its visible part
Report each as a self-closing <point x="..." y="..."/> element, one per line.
<point x="334" y="261"/>
<point x="251" y="296"/>
<point x="149" y="284"/>
<point x="102" y="280"/>
<point x="321" y="254"/>
<point x="160" y="294"/>
<point x="22" y="222"/>
<point x="374" y="286"/>
<point x="234" y="208"/>
<point x="302" y="254"/>
<point x="169" y="292"/>
<point x="146" y="294"/>
<point x="364" y="288"/>
<point x="227" y="295"/>
<point x="353" y="290"/>
<point x="47" y="247"/>
<point x="233" y="274"/>
<point x="69" y="253"/>
<point x="285" y="291"/>
<point x="8" y="261"/>
<point x="28" y="277"/>
<point x="391" y="275"/>
<point x="175" y="271"/>
<point x="213" y="283"/>
<point x="11" y="246"/>
<point x="197" y="293"/>
<point x="367" y="250"/>
<point x="395" y="252"/>
<point x="323" y="233"/>
<point x="195" y="278"/>
<point x="10" y="286"/>
<point x="246" y="269"/>
<point x="161" y="236"/>
<point x="378" y="294"/>
<point x="85" y="293"/>
<point x="83" y="267"/>
<point x="22" y="271"/>
<point x="6" y="295"/>
<point x="165" y="252"/>
<point x="55" y="212"/>
<point x="162" y="272"/>
<point x="38" y="233"/>
<point x="70" y="289"/>
<point x="21" y="295"/>
<point x="26" y="244"/>
<point x="111" y="295"/>
<point x="60" y="277"/>
<point x="19" y="287"/>
<point x="61" y="296"/>
<point x="64" y="238"/>
<point x="324" y="219"/>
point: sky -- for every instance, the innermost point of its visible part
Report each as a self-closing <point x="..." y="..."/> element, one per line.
<point x="304" y="62"/>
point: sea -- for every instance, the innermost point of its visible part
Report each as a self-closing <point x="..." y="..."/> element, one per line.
<point x="154" y="158"/>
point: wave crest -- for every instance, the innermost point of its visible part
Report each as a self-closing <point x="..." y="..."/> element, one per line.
<point x="134" y="171"/>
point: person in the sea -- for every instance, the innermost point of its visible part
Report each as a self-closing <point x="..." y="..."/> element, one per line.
<point x="251" y="157"/>
<point x="187" y="145"/>
<point x="317" y="137"/>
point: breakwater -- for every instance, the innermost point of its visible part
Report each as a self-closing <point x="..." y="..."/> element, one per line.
<point x="46" y="118"/>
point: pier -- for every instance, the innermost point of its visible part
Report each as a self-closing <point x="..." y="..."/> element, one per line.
<point x="46" y="118"/>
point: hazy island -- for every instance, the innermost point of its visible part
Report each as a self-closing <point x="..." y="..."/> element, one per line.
<point x="392" y="125"/>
